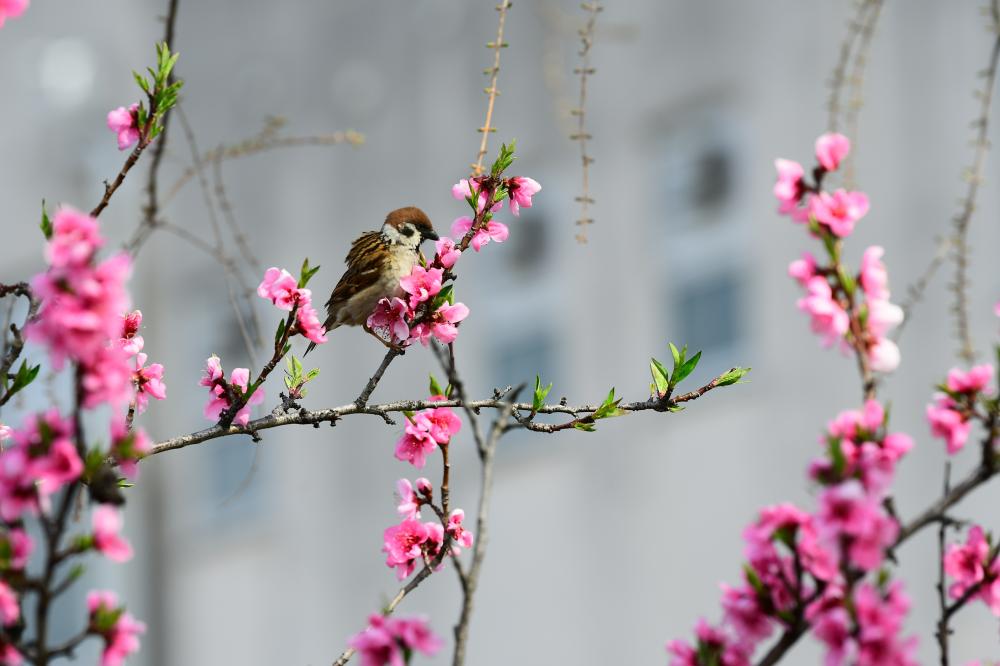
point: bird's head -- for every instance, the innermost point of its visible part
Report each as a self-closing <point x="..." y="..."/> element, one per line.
<point x="408" y="226"/>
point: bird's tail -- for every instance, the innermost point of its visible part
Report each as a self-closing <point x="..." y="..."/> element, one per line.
<point x="329" y="326"/>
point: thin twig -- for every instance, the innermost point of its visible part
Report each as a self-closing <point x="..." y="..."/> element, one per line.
<point x="581" y="135"/>
<point x="974" y="176"/>
<point x="16" y="345"/>
<point x="943" y="631"/>
<point x="491" y="92"/>
<point x="856" y="84"/>
<point x="332" y="415"/>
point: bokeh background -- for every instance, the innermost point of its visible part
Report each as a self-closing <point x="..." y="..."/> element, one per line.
<point x="604" y="545"/>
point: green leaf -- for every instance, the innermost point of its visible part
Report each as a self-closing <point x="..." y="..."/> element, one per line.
<point x="312" y="374"/>
<point x="733" y="376"/>
<point x="687" y="367"/>
<point x="678" y="356"/>
<point x="280" y="332"/>
<point x="609" y="408"/>
<point x="446" y="295"/>
<point x="661" y="377"/>
<point x="540" y="394"/>
<point x="846" y="280"/>
<point x="46" y="224"/>
<point x="837" y="456"/>
<point x="584" y="426"/>
<point x="504" y="159"/>
<point x="24" y="376"/>
<point x="435" y="388"/>
<point x="306" y="273"/>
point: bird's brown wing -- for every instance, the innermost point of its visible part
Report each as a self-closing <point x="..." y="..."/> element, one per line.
<point x="364" y="266"/>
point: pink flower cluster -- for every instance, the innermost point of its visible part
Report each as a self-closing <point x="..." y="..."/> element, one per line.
<point x="837" y="212"/>
<point x="799" y="560"/>
<point x="424" y="432"/>
<point x="128" y="447"/>
<point x="950" y="413"/>
<point x="42" y="459"/>
<point x="222" y="394"/>
<point x="119" y="629"/>
<point x="520" y="191"/>
<point x="396" y="317"/>
<point x="125" y="123"/>
<point x="82" y="302"/>
<point x="107" y="524"/>
<point x="11" y="9"/>
<point x="411" y="540"/>
<point x="830" y="309"/>
<point x="388" y="640"/>
<point x="146" y="379"/>
<point x="283" y="290"/>
<point x="972" y="564"/>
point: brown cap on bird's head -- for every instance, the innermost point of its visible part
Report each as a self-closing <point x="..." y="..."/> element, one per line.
<point x="415" y="217"/>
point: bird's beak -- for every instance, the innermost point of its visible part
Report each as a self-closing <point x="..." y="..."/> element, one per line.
<point x="430" y="235"/>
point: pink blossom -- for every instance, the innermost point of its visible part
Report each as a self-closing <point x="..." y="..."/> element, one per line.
<point x="386" y="640"/>
<point x="219" y="396"/>
<point x="424" y="487"/>
<point x="948" y="423"/>
<point x="119" y="629"/>
<point x="130" y="341"/>
<point x="75" y="239"/>
<point x="10" y="607"/>
<point x="803" y="269"/>
<point x="417" y="442"/>
<point x="883" y="316"/>
<point x="18" y="545"/>
<point x="11" y="9"/>
<point x="714" y="647"/>
<point x="447" y="255"/>
<point x="309" y="324"/>
<point x="966" y="563"/>
<point x="818" y="560"/>
<point x="409" y="503"/>
<point x="441" y="325"/>
<point x="107" y="378"/>
<point x="839" y="211"/>
<point x="128" y="447"/>
<point x="442" y="424"/>
<point x="789" y="188"/>
<point x="463" y="190"/>
<point x="148" y="382"/>
<point x="493" y="231"/>
<point x="831" y="148"/>
<point x="742" y="610"/>
<point x="973" y="381"/>
<point x="280" y="288"/>
<point x="883" y="355"/>
<point x="9" y="656"/>
<point x="107" y="524"/>
<point x="520" y="189"/>
<point x="403" y="545"/>
<point x="829" y="319"/>
<point x="874" y="277"/>
<point x="880" y="619"/>
<point x="125" y="122"/>
<point x="458" y="533"/>
<point x="61" y="466"/>
<point x="422" y="284"/>
<point x="390" y="315"/>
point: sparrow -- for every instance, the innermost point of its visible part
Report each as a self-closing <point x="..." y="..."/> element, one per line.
<point x="375" y="264"/>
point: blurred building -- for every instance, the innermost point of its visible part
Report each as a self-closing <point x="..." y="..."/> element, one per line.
<point x="603" y="545"/>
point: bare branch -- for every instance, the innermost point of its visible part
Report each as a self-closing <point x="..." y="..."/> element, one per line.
<point x="491" y="92"/>
<point x="582" y="136"/>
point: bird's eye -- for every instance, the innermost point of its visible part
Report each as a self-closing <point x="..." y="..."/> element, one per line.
<point x="407" y="230"/>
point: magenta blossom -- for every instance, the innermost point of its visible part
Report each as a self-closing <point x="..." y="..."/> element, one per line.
<point x="417" y="442"/>
<point x="973" y="381"/>
<point x="829" y="319"/>
<point x="443" y="424"/>
<point x="520" y="189"/>
<point x="405" y="544"/>
<point x="130" y="341"/>
<point x="831" y="148"/>
<point x="966" y="563"/>
<point x="391" y="316"/>
<point x="803" y="269"/>
<point x="128" y="446"/>
<point x="220" y="391"/>
<point x="280" y="288"/>
<point x="11" y="9"/>
<point x="874" y="276"/>
<point x="948" y="423"/>
<point x="409" y="503"/>
<point x="447" y="254"/>
<point x="75" y="239"/>
<point x="10" y="606"/>
<point x="148" y="380"/>
<point x="441" y="325"/>
<point x="422" y="284"/>
<point x="493" y="231"/>
<point x="18" y="546"/>
<point x="458" y="533"/>
<point x="789" y="189"/>
<point x="307" y="320"/>
<point x="386" y="641"/>
<point x="839" y="211"/>
<point x="119" y="629"/>
<point x="107" y="523"/>
<point x="125" y="122"/>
